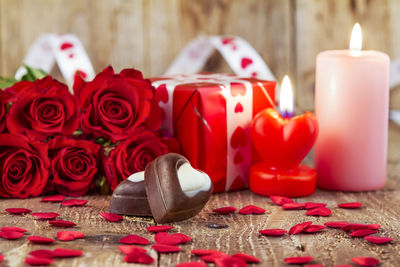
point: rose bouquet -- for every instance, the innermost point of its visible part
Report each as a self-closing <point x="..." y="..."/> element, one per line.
<point x="53" y="140"/>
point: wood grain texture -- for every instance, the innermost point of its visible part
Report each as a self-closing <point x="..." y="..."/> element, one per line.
<point x="330" y="247"/>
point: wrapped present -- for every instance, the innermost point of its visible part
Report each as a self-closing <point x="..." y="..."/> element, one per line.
<point x="210" y="115"/>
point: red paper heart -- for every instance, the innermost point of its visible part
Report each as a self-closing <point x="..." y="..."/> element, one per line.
<point x="225" y="210"/>
<point x="245" y="62"/>
<point x="42" y="253"/>
<point x="128" y="249"/>
<point x="273" y="232"/>
<point x="378" y="239"/>
<point x="278" y="200"/>
<point x="238" y="108"/>
<point x="12" y="235"/>
<point x="365" y="261"/>
<point x="62" y="223"/>
<point x="66" y="253"/>
<point x="69" y="235"/>
<point x="66" y="45"/>
<point x="314" y="228"/>
<point x="167" y="239"/>
<point x="251" y="209"/>
<point x="159" y="228"/>
<point x="238" y="89"/>
<point x="134" y="239"/>
<point x="246" y="257"/>
<point x="13" y="228"/>
<point x="18" y="211"/>
<point x="54" y="198"/>
<point x="336" y="224"/>
<point x="74" y="202"/>
<point x="239" y="138"/>
<point x="138" y="257"/>
<point x="45" y="215"/>
<point x="298" y="228"/>
<point x="162" y="93"/>
<point x="36" y="261"/>
<point x="40" y="239"/>
<point x="202" y="252"/>
<point x="191" y="264"/>
<point x="299" y="260"/>
<point x="283" y="143"/>
<point x="165" y="248"/>
<point x="238" y="158"/>
<point x="112" y="217"/>
<point x="320" y="211"/>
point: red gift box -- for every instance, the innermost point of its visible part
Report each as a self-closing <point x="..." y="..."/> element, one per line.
<point x="210" y="115"/>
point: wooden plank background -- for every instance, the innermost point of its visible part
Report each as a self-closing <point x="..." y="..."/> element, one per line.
<point x="148" y="34"/>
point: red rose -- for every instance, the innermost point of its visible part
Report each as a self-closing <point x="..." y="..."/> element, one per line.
<point x="117" y="105"/>
<point x="5" y="97"/>
<point x="42" y="108"/>
<point x="74" y="165"/>
<point x="132" y="156"/>
<point x="24" y="166"/>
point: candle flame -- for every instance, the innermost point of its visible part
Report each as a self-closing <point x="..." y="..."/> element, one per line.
<point x="356" y="38"/>
<point x="286" y="98"/>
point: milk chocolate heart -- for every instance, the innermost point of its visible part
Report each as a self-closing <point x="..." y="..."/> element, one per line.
<point x="175" y="190"/>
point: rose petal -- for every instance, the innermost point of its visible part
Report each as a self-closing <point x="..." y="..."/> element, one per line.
<point x="62" y="223"/>
<point x="273" y="232"/>
<point x="127" y="249"/>
<point x="312" y="205"/>
<point x="350" y="205"/>
<point x="251" y="209"/>
<point x="224" y="210"/>
<point x="280" y="200"/>
<point x="314" y="228"/>
<point x="293" y="206"/>
<point x="12" y="235"/>
<point x="66" y="253"/>
<point x="378" y="239"/>
<point x="191" y="264"/>
<point x="321" y="211"/>
<point x="40" y="239"/>
<point x="298" y="228"/>
<point x="165" y="248"/>
<point x="159" y="228"/>
<point x="336" y="224"/>
<point x="366" y="261"/>
<point x="112" y="217"/>
<point x="18" y="211"/>
<point x="167" y="239"/>
<point x="74" y="202"/>
<point x="13" y="228"/>
<point x="36" y="261"/>
<point x="138" y="257"/>
<point x="201" y="252"/>
<point x="299" y="260"/>
<point x="45" y="215"/>
<point x="42" y="253"/>
<point x="69" y="235"/>
<point x="134" y="239"/>
<point x="55" y="198"/>
<point x="362" y="232"/>
<point x="246" y="257"/>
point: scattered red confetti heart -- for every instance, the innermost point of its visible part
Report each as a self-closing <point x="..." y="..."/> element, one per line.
<point x="314" y="228"/>
<point x="40" y="239"/>
<point x="69" y="235"/>
<point x="350" y="205"/>
<point x="213" y="257"/>
<point x="128" y="249"/>
<point x="299" y="260"/>
<point x="36" y="261"/>
<point x="246" y="257"/>
<point x="251" y="209"/>
<point x="378" y="239"/>
<point x="18" y="211"/>
<point x="298" y="228"/>
<point x="336" y="224"/>
<point x="192" y="264"/>
<point x="314" y="265"/>
<point x="312" y="205"/>
<point x="112" y="217"/>
<point x="365" y="261"/>
<point x="42" y="253"/>
<point x="159" y="228"/>
<point x="362" y="232"/>
<point x="66" y="253"/>
<point x="165" y="248"/>
<point x="12" y="235"/>
<point x="184" y="238"/>
<point x="13" y="228"/>
<point x="359" y="226"/>
<point x="201" y="252"/>
<point x="134" y="239"/>
<point x="280" y="200"/>
<point x="45" y="215"/>
<point x="74" y="202"/>
<point x="230" y="261"/>
<point x="55" y="198"/>
<point x="341" y="265"/>
<point x="138" y="257"/>
<point x="321" y="211"/>
<point x="225" y="210"/>
<point x="167" y="239"/>
<point x="245" y="62"/>
<point x="1" y="257"/>
<point x="273" y="232"/>
<point x="62" y="223"/>
<point x="293" y="206"/>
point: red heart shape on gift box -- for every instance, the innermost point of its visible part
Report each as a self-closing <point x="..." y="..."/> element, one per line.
<point x="239" y="138"/>
<point x="238" y="108"/>
<point x="283" y="143"/>
<point x="162" y="93"/>
<point x="245" y="62"/>
<point x="238" y="88"/>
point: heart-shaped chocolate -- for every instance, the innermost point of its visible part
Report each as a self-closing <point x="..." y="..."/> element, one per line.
<point x="176" y="190"/>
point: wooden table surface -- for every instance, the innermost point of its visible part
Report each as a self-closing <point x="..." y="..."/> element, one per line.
<point x="329" y="247"/>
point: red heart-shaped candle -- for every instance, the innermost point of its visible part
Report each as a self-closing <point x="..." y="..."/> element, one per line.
<point x="283" y="143"/>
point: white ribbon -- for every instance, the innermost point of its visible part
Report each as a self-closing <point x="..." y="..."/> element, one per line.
<point x="67" y="50"/>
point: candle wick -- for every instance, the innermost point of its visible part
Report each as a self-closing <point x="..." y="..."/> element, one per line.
<point x="286" y="114"/>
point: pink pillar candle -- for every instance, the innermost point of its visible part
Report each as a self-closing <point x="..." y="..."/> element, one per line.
<point x="351" y="104"/>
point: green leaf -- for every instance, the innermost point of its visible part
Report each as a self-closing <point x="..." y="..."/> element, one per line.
<point x="33" y="74"/>
<point x="6" y="82"/>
